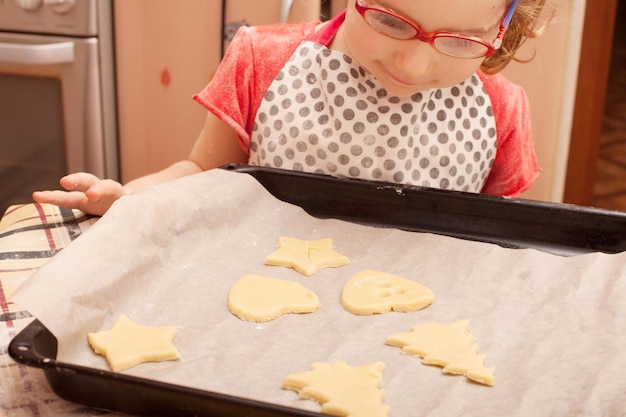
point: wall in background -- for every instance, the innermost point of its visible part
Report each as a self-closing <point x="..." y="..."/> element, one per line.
<point x="550" y="80"/>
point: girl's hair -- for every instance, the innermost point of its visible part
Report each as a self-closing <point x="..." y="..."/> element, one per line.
<point x="524" y="25"/>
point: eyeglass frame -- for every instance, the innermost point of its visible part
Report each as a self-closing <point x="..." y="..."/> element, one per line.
<point x="429" y="37"/>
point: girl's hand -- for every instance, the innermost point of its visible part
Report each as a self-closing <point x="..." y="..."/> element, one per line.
<point x="85" y="192"/>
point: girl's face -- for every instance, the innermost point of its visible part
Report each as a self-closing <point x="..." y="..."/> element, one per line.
<point x="406" y="67"/>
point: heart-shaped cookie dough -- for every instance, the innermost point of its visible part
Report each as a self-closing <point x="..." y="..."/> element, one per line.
<point x="258" y="298"/>
<point x="374" y="292"/>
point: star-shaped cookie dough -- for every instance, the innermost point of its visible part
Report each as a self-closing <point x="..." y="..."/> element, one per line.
<point x="306" y="257"/>
<point x="128" y="344"/>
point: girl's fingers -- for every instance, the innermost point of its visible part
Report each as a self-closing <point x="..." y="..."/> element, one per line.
<point x="86" y="192"/>
<point x="105" y="189"/>
<point x="80" y="181"/>
<point x="60" y="198"/>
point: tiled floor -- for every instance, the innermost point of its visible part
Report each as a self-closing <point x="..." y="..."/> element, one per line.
<point x="610" y="185"/>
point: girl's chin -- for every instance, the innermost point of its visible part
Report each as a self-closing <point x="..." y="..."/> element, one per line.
<point x="405" y="90"/>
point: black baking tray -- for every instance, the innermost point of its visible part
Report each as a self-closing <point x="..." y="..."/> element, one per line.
<point x="563" y="229"/>
<point x="516" y="223"/>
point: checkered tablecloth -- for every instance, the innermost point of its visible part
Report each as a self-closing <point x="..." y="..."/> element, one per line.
<point x="30" y="235"/>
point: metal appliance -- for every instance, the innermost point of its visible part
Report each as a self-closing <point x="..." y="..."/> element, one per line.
<point x="57" y="94"/>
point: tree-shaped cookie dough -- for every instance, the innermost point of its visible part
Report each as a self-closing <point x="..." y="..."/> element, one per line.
<point x="341" y="389"/>
<point x="128" y="344"/>
<point x="306" y="257"/>
<point x="450" y="346"/>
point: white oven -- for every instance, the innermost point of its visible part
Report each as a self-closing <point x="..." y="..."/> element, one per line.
<point x="57" y="94"/>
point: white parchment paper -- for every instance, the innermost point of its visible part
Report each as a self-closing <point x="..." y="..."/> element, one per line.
<point x="553" y="327"/>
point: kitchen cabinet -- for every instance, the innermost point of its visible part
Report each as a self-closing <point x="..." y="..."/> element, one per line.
<point x="166" y="51"/>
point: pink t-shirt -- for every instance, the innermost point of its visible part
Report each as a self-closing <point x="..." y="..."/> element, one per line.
<point x="258" y="54"/>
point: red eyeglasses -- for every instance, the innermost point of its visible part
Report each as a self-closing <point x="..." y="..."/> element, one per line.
<point x="390" y="23"/>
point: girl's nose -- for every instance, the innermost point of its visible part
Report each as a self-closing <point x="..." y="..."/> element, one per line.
<point x="415" y="60"/>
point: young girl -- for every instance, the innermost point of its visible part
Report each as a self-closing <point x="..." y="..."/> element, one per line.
<point x="391" y="90"/>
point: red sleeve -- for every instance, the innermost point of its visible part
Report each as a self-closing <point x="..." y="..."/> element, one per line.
<point x="515" y="167"/>
<point x="254" y="58"/>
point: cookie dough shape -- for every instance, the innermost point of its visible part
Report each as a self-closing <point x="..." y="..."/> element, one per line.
<point x="306" y="257"/>
<point x="258" y="298"/>
<point x="374" y="292"/>
<point x="128" y="344"/>
<point x="450" y="346"/>
<point x="341" y="389"/>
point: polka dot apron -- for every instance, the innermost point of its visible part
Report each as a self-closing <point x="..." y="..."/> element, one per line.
<point x="324" y="113"/>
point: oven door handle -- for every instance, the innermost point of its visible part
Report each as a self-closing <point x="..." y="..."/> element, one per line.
<point x="27" y="54"/>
